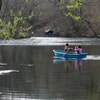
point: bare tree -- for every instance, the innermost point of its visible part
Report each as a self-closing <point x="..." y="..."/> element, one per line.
<point x="87" y="16"/>
<point x="0" y="4"/>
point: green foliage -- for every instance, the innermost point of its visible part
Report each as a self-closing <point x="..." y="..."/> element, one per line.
<point x="77" y="18"/>
<point x="27" y="1"/>
<point x="14" y="28"/>
<point x="73" y="9"/>
<point x="31" y="15"/>
<point x="74" y="6"/>
<point x="17" y="23"/>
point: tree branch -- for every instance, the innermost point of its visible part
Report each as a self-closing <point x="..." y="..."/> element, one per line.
<point x="0" y="4"/>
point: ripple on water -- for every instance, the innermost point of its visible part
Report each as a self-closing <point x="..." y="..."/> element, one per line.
<point x="93" y="57"/>
<point x="3" y="72"/>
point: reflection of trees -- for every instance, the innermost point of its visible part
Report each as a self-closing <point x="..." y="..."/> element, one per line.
<point x="19" y="58"/>
<point x="33" y="69"/>
<point x="16" y="55"/>
<point x="39" y="78"/>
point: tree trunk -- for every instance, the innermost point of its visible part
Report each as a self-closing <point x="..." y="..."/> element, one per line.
<point x="91" y="27"/>
<point x="0" y="4"/>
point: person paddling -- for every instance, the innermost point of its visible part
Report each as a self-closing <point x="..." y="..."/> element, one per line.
<point x="67" y="49"/>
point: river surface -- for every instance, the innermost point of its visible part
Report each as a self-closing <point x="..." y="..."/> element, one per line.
<point x="29" y="70"/>
<point x="44" y="41"/>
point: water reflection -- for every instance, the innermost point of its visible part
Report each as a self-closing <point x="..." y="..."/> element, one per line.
<point x="3" y="72"/>
<point x="44" y="41"/>
<point x="93" y="57"/>
<point x="39" y="76"/>
<point x="77" y="62"/>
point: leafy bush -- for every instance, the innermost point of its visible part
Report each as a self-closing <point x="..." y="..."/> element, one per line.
<point x="15" y="26"/>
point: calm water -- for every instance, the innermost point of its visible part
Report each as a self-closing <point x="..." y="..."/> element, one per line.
<point x="31" y="73"/>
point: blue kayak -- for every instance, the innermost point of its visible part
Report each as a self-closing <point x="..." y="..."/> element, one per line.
<point x="69" y="55"/>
